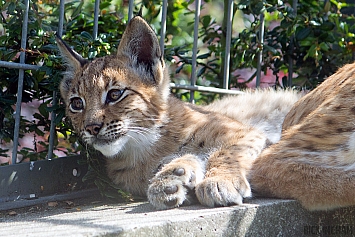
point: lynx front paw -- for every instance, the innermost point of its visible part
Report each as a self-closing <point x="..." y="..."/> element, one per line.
<point x="175" y="183"/>
<point x="221" y="191"/>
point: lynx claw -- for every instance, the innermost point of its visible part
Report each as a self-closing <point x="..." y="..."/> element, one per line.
<point x="218" y="191"/>
<point x="174" y="185"/>
<point x="167" y="192"/>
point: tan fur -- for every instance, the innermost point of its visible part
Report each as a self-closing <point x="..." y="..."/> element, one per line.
<point x="315" y="160"/>
<point x="174" y="152"/>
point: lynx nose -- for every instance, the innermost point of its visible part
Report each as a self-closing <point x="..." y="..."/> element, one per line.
<point x="93" y="129"/>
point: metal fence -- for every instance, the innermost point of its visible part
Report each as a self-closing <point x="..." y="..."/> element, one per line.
<point x="22" y="66"/>
<point x="26" y="181"/>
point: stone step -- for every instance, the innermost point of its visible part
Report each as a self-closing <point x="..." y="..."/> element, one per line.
<point x="257" y="217"/>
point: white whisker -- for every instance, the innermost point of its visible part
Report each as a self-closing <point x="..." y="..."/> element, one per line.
<point x="134" y="139"/>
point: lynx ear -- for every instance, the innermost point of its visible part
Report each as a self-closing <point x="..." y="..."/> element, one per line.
<point x="73" y="62"/>
<point x="140" y="44"/>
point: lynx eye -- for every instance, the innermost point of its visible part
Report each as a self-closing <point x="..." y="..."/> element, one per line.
<point x="114" y="95"/>
<point x="76" y="104"/>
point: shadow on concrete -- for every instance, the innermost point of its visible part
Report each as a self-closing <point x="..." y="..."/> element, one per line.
<point x="291" y="219"/>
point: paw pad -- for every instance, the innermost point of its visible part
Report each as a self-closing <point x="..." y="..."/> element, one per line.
<point x="171" y="189"/>
<point x="175" y="183"/>
<point x="179" y="171"/>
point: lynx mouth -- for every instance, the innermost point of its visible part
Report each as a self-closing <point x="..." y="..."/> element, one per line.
<point x="101" y="140"/>
<point x="110" y="147"/>
<point x="105" y="140"/>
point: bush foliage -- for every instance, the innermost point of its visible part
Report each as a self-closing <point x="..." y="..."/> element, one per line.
<point x="317" y="38"/>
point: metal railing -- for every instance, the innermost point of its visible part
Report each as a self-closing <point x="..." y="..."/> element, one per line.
<point x="192" y="87"/>
<point x="20" y="84"/>
<point x="22" y="66"/>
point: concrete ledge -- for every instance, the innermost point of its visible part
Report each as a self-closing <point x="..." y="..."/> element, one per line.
<point x="258" y="217"/>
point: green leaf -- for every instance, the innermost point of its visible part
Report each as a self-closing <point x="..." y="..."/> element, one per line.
<point x="11" y="8"/>
<point x="311" y="52"/>
<point x="327" y="26"/>
<point x="324" y="46"/>
<point x="303" y="33"/>
<point x="39" y="132"/>
<point x="201" y="71"/>
<point x="206" y="21"/>
<point x="286" y="24"/>
<point x="178" y="69"/>
<point x="78" y="10"/>
<point x="87" y="35"/>
<point x="59" y="117"/>
<point x="104" y="5"/>
<point x="258" y="8"/>
<point x="43" y="110"/>
<point x="203" y="56"/>
<point x="308" y="41"/>
<point x="268" y="48"/>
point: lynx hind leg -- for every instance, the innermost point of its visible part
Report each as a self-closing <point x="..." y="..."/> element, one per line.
<point x="225" y="181"/>
<point x="175" y="183"/>
<point x="317" y="186"/>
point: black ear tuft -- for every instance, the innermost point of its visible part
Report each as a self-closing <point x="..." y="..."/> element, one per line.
<point x="70" y="56"/>
<point x="140" y="11"/>
<point x="73" y="62"/>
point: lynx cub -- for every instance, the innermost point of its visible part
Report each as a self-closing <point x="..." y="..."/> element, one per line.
<point x="174" y="152"/>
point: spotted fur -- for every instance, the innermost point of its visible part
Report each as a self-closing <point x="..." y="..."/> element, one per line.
<point x="156" y="145"/>
<point x="315" y="160"/>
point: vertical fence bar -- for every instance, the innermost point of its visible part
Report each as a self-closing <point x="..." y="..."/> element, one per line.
<point x="20" y="82"/>
<point x="163" y="25"/>
<point x="52" y="128"/>
<point x="352" y="12"/>
<point x="54" y="102"/>
<point x="194" y="49"/>
<point x="96" y="19"/>
<point x="353" y="55"/>
<point x="226" y="72"/>
<point x="130" y="9"/>
<point x="61" y="17"/>
<point x="260" y="53"/>
<point x="290" y="59"/>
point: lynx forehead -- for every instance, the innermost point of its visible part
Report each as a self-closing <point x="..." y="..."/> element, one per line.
<point x="175" y="153"/>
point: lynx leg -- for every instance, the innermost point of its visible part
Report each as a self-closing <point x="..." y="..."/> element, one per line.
<point x="175" y="183"/>
<point x="316" y="186"/>
<point x="225" y="181"/>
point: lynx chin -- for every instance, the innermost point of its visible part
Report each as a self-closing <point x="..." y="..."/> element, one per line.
<point x="272" y="142"/>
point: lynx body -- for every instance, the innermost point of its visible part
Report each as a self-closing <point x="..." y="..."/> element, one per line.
<point x="174" y="152"/>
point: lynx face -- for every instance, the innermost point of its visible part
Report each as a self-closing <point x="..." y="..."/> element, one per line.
<point x="108" y="112"/>
<point x="117" y="101"/>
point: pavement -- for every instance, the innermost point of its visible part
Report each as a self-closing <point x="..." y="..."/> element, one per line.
<point x="94" y="216"/>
